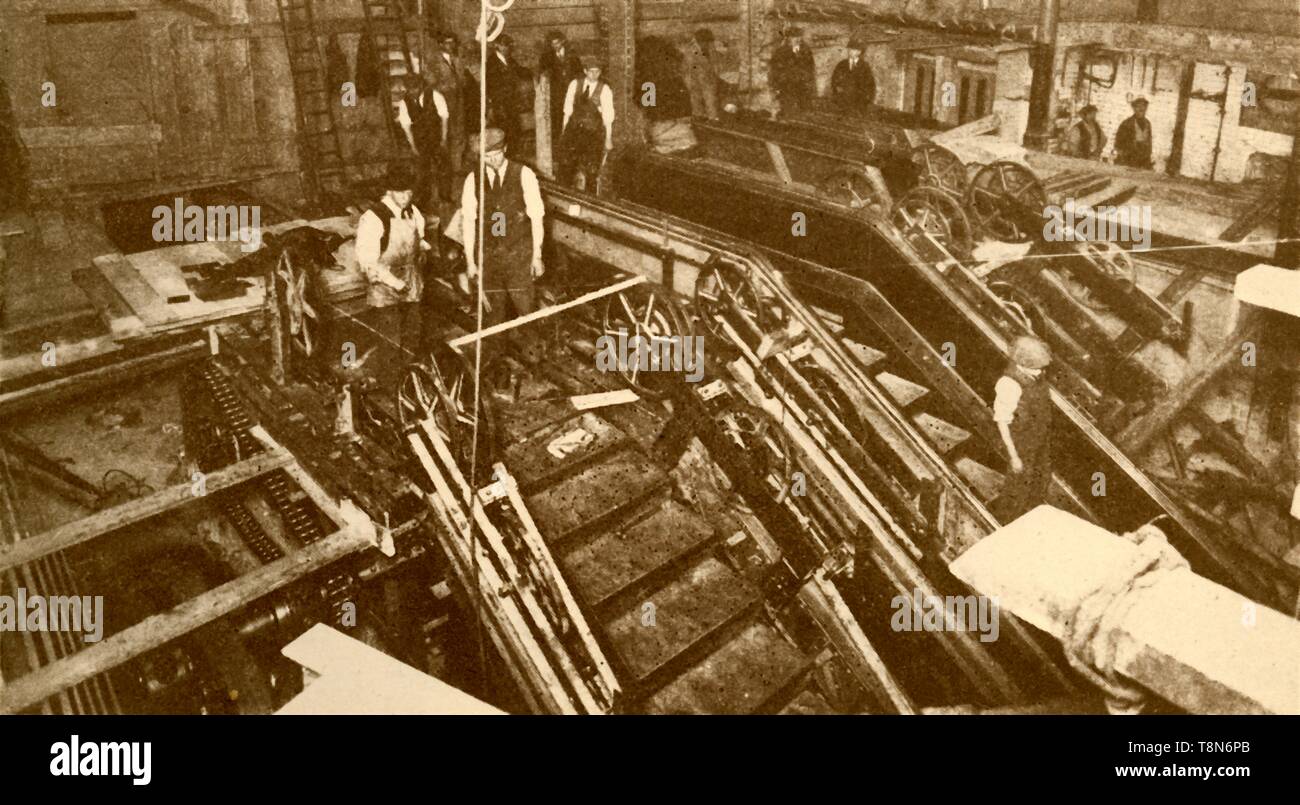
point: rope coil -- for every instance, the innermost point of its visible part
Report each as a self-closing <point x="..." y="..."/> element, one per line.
<point x="1091" y="639"/>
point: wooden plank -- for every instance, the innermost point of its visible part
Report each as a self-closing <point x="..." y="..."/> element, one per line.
<point x="110" y="305"/>
<point x="974" y="128"/>
<point x="1253" y="217"/>
<point x="522" y="588"/>
<point x="143" y="300"/>
<point x="547" y="311"/>
<point x="1176" y="633"/>
<point x="180" y="620"/>
<point x="361" y="680"/>
<point x="83" y="382"/>
<point x="778" y="162"/>
<point x="532" y="539"/>
<point x="472" y="564"/>
<point x="1182" y="285"/>
<point x="109" y="520"/>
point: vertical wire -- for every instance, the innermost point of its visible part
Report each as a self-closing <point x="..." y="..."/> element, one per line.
<point x="478" y="326"/>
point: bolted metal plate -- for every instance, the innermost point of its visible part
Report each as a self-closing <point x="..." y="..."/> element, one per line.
<point x="561" y="449"/>
<point x="704" y="598"/>
<point x="944" y="435"/>
<point x="596" y="497"/>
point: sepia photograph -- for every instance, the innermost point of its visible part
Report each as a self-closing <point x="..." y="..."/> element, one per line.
<point x="651" y="358"/>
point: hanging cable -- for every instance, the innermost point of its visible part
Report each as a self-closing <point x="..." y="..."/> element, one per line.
<point x="490" y="17"/>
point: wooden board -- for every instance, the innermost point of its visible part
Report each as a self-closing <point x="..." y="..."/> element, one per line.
<point x="139" y="295"/>
<point x="110" y="305"/>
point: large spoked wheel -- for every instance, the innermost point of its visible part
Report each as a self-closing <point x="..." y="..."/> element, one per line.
<point x="723" y="292"/>
<point x="645" y="325"/>
<point x="1000" y="196"/>
<point x="852" y="188"/>
<point x="764" y="443"/>
<point x="940" y="168"/>
<point x="930" y="213"/>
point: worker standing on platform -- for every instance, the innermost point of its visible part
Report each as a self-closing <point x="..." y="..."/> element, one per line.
<point x="390" y="249"/>
<point x="588" y="127"/>
<point x="513" y="215"/>
<point x="792" y="74"/>
<point x="423" y="117"/>
<point x="853" y="85"/>
<point x="1087" y="140"/>
<point x="1022" y="409"/>
<point x="1133" y="139"/>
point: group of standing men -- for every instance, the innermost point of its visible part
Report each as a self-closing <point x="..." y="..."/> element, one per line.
<point x="792" y="76"/>
<point x="435" y="115"/>
<point x="1132" y="140"/>
<point x="392" y="245"/>
<point x="440" y="106"/>
<point x="581" y="111"/>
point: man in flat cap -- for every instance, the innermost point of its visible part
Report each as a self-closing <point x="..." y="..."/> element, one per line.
<point x="513" y="215"/>
<point x="1133" y="140"/>
<point x="390" y="249"/>
<point x="560" y="65"/>
<point x="792" y="75"/>
<point x="1022" y="409"/>
<point x="422" y="114"/>
<point x="504" y="96"/>
<point x="447" y="74"/>
<point x="588" y="126"/>
<point x="1087" y="140"/>
<point x="853" y="85"/>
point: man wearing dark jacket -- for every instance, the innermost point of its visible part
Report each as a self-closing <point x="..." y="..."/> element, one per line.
<point x="792" y="75"/>
<point x="853" y="86"/>
<point x="447" y="74"/>
<point x="504" y="76"/>
<point x="560" y="65"/>
<point x="1086" y="140"/>
<point x="1133" y="140"/>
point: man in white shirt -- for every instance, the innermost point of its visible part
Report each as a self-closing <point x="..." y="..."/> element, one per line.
<point x="447" y="73"/>
<point x="390" y="248"/>
<point x="423" y="118"/>
<point x="1022" y="409"/>
<point x="588" y="127"/>
<point x="512" y="231"/>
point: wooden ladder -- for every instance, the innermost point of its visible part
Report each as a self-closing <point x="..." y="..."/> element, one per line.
<point x="319" y="150"/>
<point x="386" y="30"/>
